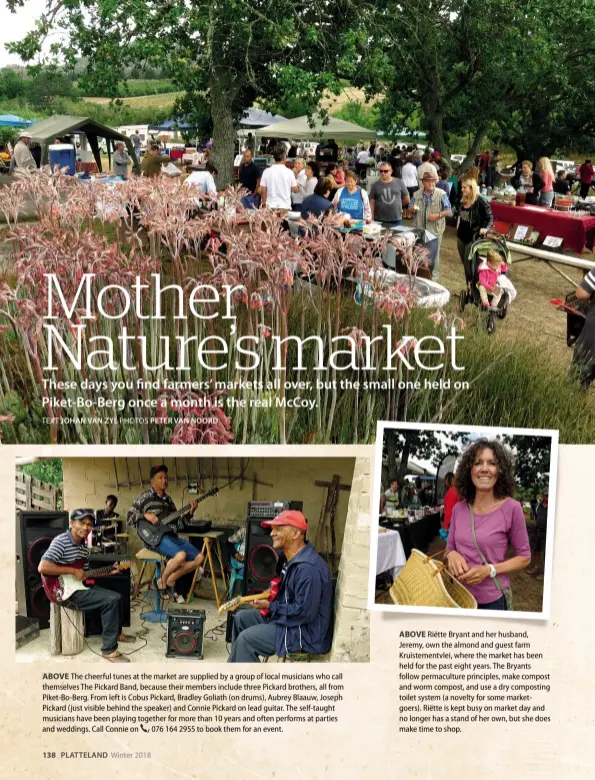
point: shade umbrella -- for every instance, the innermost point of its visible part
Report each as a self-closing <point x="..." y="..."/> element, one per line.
<point x="12" y="120"/>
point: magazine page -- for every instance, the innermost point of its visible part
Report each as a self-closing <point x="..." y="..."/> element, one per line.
<point x="296" y="388"/>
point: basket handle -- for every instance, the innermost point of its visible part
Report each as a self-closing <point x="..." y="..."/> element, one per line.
<point x="443" y="569"/>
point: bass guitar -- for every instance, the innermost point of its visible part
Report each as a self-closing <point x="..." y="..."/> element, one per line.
<point x="60" y="588"/>
<point x="152" y="534"/>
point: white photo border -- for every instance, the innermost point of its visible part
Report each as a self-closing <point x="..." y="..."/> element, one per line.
<point x="383" y="425"/>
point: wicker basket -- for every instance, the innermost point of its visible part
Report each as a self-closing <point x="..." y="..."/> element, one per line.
<point x="423" y="582"/>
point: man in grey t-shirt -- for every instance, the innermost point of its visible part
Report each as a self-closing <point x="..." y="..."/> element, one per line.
<point x="387" y="197"/>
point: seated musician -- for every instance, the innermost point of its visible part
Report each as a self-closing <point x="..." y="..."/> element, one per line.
<point x="298" y="618"/>
<point x="61" y="557"/>
<point x="154" y="504"/>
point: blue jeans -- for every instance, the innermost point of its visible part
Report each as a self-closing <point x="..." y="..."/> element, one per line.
<point x="111" y="609"/>
<point x="546" y="198"/>
<point x="252" y="636"/>
<point x="498" y="604"/>
<point x="172" y="545"/>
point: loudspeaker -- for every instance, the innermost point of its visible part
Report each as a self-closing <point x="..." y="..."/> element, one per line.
<point x="118" y="583"/>
<point x="185" y="632"/>
<point x="260" y="559"/>
<point x="37" y="531"/>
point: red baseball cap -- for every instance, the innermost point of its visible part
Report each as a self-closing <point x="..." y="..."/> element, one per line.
<point x="288" y="517"/>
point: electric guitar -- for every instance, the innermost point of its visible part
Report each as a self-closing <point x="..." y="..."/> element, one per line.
<point x="152" y="534"/>
<point x="269" y="595"/>
<point x="60" y="588"/>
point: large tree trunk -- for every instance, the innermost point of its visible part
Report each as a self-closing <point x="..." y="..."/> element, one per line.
<point x="224" y="132"/>
<point x="469" y="160"/>
<point x="436" y="125"/>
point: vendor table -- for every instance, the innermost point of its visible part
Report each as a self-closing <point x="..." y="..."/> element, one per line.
<point x="90" y="167"/>
<point x="420" y="534"/>
<point x="391" y="555"/>
<point x="577" y="232"/>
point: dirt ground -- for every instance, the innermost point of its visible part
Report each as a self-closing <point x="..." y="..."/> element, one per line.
<point x="531" y="316"/>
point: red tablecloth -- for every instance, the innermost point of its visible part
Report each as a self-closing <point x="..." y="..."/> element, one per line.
<point x="577" y="232"/>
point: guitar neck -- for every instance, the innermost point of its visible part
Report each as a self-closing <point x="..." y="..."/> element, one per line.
<point x="255" y="597"/>
<point x="185" y="509"/>
<point x="97" y="572"/>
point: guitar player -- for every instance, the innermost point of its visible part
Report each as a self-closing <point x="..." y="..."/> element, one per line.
<point x="298" y="618"/>
<point x="68" y="549"/>
<point x="153" y="504"/>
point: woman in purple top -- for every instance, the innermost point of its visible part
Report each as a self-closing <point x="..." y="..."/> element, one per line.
<point x="485" y="480"/>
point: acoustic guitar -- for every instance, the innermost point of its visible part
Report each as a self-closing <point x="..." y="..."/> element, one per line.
<point x="60" y="588"/>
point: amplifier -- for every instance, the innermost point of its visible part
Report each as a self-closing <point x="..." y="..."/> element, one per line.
<point x="185" y="632"/>
<point x="268" y="510"/>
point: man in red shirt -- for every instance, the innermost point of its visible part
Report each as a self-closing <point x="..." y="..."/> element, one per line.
<point x="586" y="177"/>
<point x="451" y="498"/>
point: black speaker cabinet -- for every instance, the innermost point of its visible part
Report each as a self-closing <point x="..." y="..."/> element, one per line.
<point x="185" y="632"/>
<point x="260" y="560"/>
<point x="37" y="531"/>
<point x="117" y="583"/>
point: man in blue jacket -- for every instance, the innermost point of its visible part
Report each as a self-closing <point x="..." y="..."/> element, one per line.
<point x="298" y="619"/>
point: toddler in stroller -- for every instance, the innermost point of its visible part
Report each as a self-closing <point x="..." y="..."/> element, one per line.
<point x="489" y="273"/>
<point x="489" y="288"/>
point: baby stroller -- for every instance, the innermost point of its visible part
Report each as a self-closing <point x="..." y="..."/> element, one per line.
<point x="477" y="254"/>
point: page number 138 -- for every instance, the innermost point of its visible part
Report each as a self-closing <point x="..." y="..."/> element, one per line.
<point x="49" y="755"/>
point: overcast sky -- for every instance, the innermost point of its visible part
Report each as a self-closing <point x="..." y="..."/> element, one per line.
<point x="16" y="26"/>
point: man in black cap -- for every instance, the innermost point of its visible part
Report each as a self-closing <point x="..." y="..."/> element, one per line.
<point x="68" y="555"/>
<point x="154" y="504"/>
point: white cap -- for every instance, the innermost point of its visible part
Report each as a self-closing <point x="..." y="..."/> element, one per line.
<point x="25" y="134"/>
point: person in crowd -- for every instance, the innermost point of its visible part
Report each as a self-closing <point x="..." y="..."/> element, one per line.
<point x="485" y="524"/>
<point x="530" y="181"/>
<point x="277" y="183"/>
<point x="584" y="350"/>
<point x="489" y="273"/>
<point x="585" y="174"/>
<point x="339" y="175"/>
<point x="561" y="185"/>
<point x="352" y="199"/>
<point x="137" y="143"/>
<point x="69" y="555"/>
<point x="22" y="159"/>
<point x="4" y="153"/>
<point x="319" y="202"/>
<point x="388" y="196"/>
<point x="250" y="142"/>
<point x="451" y="498"/>
<point x="430" y="207"/>
<point x="409" y="176"/>
<point x="443" y="182"/>
<point x="545" y="170"/>
<point x="390" y="497"/>
<point x="154" y="504"/>
<point x="152" y="162"/>
<point x="108" y="514"/>
<point x="249" y="177"/>
<point x="493" y="168"/>
<point x="427" y="166"/>
<point x="299" y="172"/>
<point x="372" y="149"/>
<point x="121" y="160"/>
<point x="538" y="537"/>
<point x="350" y="156"/>
<point x="417" y="161"/>
<point x="484" y="163"/>
<point x="202" y="183"/>
<point x="475" y="219"/>
<point x="329" y="173"/>
<point x="293" y="151"/>
<point x="312" y="176"/>
<point x="298" y="618"/>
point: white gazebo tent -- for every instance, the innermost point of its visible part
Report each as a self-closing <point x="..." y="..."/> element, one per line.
<point x="301" y="128"/>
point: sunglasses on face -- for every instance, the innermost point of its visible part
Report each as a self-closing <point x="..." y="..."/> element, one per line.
<point x="385" y="170"/>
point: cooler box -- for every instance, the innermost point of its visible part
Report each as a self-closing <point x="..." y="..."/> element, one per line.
<point x="63" y="155"/>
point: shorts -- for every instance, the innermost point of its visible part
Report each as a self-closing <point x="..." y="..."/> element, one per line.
<point x="538" y="537"/>
<point x="171" y="545"/>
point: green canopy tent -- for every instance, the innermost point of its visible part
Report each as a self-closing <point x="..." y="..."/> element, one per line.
<point x="302" y="128"/>
<point x="45" y="132"/>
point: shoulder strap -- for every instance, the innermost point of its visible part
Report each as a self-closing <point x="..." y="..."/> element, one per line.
<point x="481" y="555"/>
